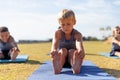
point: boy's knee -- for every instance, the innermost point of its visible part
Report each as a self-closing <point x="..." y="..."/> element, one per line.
<point x="71" y="50"/>
<point x="79" y="54"/>
<point x="64" y="50"/>
<point x="76" y="53"/>
<point x="1" y="55"/>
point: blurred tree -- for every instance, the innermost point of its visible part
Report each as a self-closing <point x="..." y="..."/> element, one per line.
<point x="106" y="32"/>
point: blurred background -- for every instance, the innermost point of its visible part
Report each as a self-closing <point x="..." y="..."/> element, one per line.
<point x="37" y="19"/>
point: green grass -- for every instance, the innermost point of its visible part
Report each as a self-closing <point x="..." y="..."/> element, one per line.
<point x="37" y="55"/>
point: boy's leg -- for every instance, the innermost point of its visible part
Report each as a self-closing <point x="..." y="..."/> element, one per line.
<point x="13" y="54"/>
<point x="59" y="60"/>
<point x="56" y="63"/>
<point x="75" y="61"/>
<point x="117" y="54"/>
<point x="1" y="56"/>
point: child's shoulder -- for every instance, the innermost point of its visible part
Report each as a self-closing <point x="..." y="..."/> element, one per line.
<point x="11" y="39"/>
<point x="78" y="33"/>
<point x="58" y="31"/>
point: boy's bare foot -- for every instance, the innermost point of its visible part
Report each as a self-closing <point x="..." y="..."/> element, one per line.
<point x="57" y="64"/>
<point x="76" y="64"/>
<point x="117" y="54"/>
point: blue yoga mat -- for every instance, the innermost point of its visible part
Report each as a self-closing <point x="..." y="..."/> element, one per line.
<point x="88" y="72"/>
<point x="20" y="58"/>
<point x="107" y="55"/>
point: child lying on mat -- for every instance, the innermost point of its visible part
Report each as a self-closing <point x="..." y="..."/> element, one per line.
<point x="67" y="47"/>
<point x="116" y="42"/>
<point x="8" y="47"/>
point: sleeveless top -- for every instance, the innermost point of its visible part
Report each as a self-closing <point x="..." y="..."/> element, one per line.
<point x="7" y="45"/>
<point x="68" y="44"/>
<point x="115" y="47"/>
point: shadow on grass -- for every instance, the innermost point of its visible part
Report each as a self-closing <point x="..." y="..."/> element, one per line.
<point x="113" y="72"/>
<point x="92" y="54"/>
<point x="34" y="62"/>
<point x="27" y="62"/>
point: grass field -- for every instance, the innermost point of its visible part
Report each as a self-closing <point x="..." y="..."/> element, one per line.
<point x="37" y="55"/>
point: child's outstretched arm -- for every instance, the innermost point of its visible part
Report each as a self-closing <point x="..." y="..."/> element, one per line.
<point x="14" y="44"/>
<point x="114" y="40"/>
<point x="55" y="43"/>
<point x="79" y="44"/>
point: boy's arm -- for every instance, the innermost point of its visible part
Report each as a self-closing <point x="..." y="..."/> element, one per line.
<point x="79" y="44"/>
<point x="55" y="42"/>
<point x="115" y="41"/>
<point x="13" y="43"/>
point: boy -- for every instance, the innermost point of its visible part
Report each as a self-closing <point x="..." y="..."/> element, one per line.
<point x="8" y="47"/>
<point x="116" y="42"/>
<point x="67" y="47"/>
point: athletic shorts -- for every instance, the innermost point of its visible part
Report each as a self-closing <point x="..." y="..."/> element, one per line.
<point x="115" y="48"/>
<point x="6" y="54"/>
<point x="66" y="64"/>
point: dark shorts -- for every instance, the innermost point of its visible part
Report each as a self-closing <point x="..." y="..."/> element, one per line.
<point x="115" y="48"/>
<point x="67" y="64"/>
<point x="6" y="55"/>
<point x="112" y="53"/>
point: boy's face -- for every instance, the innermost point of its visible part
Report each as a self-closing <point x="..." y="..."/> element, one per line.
<point x="67" y="25"/>
<point x="117" y="31"/>
<point x="4" y="36"/>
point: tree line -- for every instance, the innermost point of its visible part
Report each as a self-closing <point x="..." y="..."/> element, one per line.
<point x="105" y="32"/>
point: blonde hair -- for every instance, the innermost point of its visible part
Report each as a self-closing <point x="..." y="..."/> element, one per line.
<point x="117" y="27"/>
<point x="65" y="13"/>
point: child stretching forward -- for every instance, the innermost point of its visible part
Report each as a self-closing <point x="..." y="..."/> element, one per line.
<point x="67" y="47"/>
<point x="8" y="47"/>
<point x="116" y="42"/>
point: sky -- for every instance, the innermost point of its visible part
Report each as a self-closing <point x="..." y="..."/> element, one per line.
<point x="37" y="19"/>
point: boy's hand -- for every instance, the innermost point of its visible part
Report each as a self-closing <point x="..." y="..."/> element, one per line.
<point x="15" y="49"/>
<point x="53" y="53"/>
<point x="80" y="53"/>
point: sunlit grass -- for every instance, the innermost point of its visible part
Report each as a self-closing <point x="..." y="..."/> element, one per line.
<point x="38" y="54"/>
<point x="110" y="65"/>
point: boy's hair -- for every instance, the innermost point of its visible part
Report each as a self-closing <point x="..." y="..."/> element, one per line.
<point x="65" y="13"/>
<point x="117" y="27"/>
<point x="3" y="29"/>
